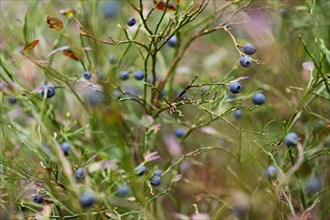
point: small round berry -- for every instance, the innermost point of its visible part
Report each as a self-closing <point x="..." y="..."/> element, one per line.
<point x="271" y="172"/>
<point x="179" y="132"/>
<point x="140" y="170"/>
<point x="80" y="173"/>
<point x="38" y="199"/>
<point x="87" y="199"/>
<point x="124" y="75"/>
<point x="112" y="59"/>
<point x="12" y="100"/>
<point x="49" y="90"/>
<point x="238" y="113"/>
<point x="314" y="185"/>
<point x="158" y="173"/>
<point x="155" y="181"/>
<point x="111" y="9"/>
<point x="87" y="75"/>
<point x="122" y="190"/>
<point x="258" y="99"/>
<point x="131" y="21"/>
<point x="65" y="148"/>
<point x="245" y="61"/>
<point x="291" y="139"/>
<point x="139" y="75"/>
<point x="235" y="87"/>
<point x="249" y="49"/>
<point x="173" y="41"/>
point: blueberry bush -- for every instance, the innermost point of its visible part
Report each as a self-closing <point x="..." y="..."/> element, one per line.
<point x="165" y="109"/>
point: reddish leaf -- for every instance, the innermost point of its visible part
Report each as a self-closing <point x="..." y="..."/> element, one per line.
<point x="71" y="54"/>
<point x="67" y="11"/>
<point x="30" y="46"/>
<point x="54" y="23"/>
<point x="161" y="5"/>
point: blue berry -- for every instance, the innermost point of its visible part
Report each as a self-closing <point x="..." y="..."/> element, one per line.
<point x="249" y="49"/>
<point x="111" y="9"/>
<point x="179" y="132"/>
<point x="258" y="99"/>
<point x="235" y="87"/>
<point x="245" y="61"/>
<point x="158" y="173"/>
<point x="112" y="59"/>
<point x="140" y="170"/>
<point x="271" y="172"/>
<point x="291" y="139"/>
<point x="87" y="200"/>
<point x="131" y="21"/>
<point x="173" y="41"/>
<point x="65" y="148"/>
<point x="238" y="113"/>
<point x="12" y="100"/>
<point x="139" y="75"/>
<point x="124" y="75"/>
<point x="38" y="199"/>
<point x="80" y="173"/>
<point x="87" y="75"/>
<point x="49" y="90"/>
<point x="122" y="190"/>
<point x="155" y="181"/>
<point x="314" y="185"/>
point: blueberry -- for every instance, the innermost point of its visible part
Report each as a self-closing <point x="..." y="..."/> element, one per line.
<point x="80" y="173"/>
<point x="271" y="172"/>
<point x="179" y="132"/>
<point x="291" y="139"/>
<point x="173" y="41"/>
<point x="327" y="142"/>
<point x="38" y="199"/>
<point x="158" y="173"/>
<point x="258" y="99"/>
<point x="49" y="90"/>
<point x="124" y="75"/>
<point x="131" y="21"/>
<point x="155" y="181"/>
<point x="122" y="190"/>
<point x="249" y="49"/>
<point x="245" y="61"/>
<point x="235" y="87"/>
<point x="87" y="199"/>
<point x="314" y="185"/>
<point x="12" y="100"/>
<point x="140" y="170"/>
<point x="112" y="59"/>
<point x="65" y="148"/>
<point x="238" y="113"/>
<point x="139" y="75"/>
<point x="87" y="75"/>
<point x="111" y="9"/>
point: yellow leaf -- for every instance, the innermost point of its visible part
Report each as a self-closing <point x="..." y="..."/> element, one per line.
<point x="27" y="49"/>
<point x="161" y="5"/>
<point x="54" y="23"/>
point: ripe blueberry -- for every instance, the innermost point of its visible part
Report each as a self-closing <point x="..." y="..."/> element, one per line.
<point x="245" y="61"/>
<point x="111" y="9"/>
<point x="314" y="185"/>
<point x="235" y="87"/>
<point x="124" y="75"/>
<point x="65" y="146"/>
<point x="122" y="190"/>
<point x="179" y="132"/>
<point x="158" y="173"/>
<point x="87" y="199"/>
<point x="271" y="172"/>
<point x="258" y="99"/>
<point x="112" y="59"/>
<point x="38" y="199"/>
<point x="49" y="90"/>
<point x="291" y="139"/>
<point x="172" y="41"/>
<point x="238" y="113"/>
<point x="131" y="21"/>
<point x="140" y="170"/>
<point x="139" y="75"/>
<point x="155" y="181"/>
<point x="249" y="49"/>
<point x="87" y="75"/>
<point x="80" y="173"/>
<point x="12" y="100"/>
